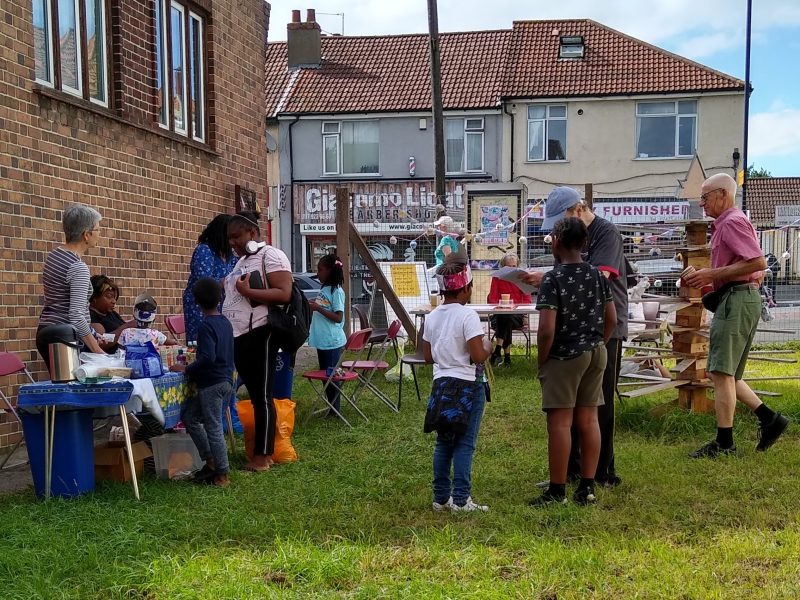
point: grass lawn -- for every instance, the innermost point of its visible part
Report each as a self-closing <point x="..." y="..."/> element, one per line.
<point x="353" y="518"/>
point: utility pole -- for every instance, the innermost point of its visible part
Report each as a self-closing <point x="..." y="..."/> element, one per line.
<point x="438" y="111"/>
<point x="746" y="103"/>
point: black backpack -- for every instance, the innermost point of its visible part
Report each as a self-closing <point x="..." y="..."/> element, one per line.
<point x="290" y="323"/>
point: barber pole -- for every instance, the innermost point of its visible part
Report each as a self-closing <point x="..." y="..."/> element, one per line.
<point x="412" y="166"/>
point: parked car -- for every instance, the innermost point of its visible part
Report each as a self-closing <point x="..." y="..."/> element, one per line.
<point x="308" y="283"/>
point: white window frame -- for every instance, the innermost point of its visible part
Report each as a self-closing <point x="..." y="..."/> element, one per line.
<point x="475" y="130"/>
<point x="677" y="116"/>
<point x="166" y="60"/>
<point x="102" y="28"/>
<point x="185" y="75"/>
<point x="545" y="128"/>
<point x="337" y="135"/>
<point x="51" y="81"/>
<point x="201" y="100"/>
<point x="78" y="57"/>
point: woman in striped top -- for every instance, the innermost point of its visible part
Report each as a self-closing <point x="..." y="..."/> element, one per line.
<point x="67" y="286"/>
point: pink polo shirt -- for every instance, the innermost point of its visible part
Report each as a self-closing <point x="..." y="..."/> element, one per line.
<point x="733" y="239"/>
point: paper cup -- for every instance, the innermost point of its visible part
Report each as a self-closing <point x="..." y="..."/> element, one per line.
<point x="687" y="271"/>
<point x="434" y="299"/>
<point x="505" y="299"/>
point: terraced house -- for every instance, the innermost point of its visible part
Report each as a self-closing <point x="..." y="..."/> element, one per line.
<point x="544" y="103"/>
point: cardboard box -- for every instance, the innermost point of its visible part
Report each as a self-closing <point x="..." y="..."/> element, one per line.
<point x="111" y="461"/>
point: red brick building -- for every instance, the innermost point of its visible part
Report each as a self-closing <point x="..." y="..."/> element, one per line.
<point x="151" y="111"/>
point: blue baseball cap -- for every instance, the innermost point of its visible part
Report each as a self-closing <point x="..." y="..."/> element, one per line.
<point x="559" y="201"/>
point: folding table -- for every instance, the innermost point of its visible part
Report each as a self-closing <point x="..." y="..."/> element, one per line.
<point x="50" y="396"/>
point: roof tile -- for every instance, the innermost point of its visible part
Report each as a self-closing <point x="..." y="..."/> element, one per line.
<point x="765" y="193"/>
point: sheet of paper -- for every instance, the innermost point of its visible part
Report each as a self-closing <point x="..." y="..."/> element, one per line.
<point x="513" y="275"/>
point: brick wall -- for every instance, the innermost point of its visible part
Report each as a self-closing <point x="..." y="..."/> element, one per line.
<point x="155" y="192"/>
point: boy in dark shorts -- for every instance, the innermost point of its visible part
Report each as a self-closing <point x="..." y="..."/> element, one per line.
<point x="576" y="319"/>
<point x="212" y="373"/>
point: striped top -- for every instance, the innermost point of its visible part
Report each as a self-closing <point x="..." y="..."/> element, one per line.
<point x="67" y="289"/>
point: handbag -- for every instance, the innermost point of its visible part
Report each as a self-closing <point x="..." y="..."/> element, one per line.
<point x="711" y="300"/>
<point x="290" y="323"/>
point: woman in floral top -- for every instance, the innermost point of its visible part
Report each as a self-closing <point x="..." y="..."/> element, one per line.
<point x="213" y="258"/>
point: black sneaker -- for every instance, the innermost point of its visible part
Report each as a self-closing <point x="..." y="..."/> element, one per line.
<point x="612" y="481"/>
<point x="712" y="449"/>
<point x="769" y="434"/>
<point x="584" y="496"/>
<point x="204" y="475"/>
<point x="496" y="359"/>
<point x="546" y="499"/>
<point x="507" y="360"/>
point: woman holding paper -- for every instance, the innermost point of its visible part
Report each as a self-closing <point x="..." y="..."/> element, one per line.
<point x="505" y="293"/>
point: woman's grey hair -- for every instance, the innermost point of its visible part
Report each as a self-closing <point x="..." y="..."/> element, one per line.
<point x="507" y="257"/>
<point x="77" y="220"/>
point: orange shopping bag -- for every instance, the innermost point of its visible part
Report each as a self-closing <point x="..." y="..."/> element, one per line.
<point x="284" y="408"/>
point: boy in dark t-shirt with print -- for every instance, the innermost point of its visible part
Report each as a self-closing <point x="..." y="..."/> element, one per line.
<point x="576" y="319"/>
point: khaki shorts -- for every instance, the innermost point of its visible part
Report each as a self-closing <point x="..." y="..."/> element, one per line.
<point x="574" y="382"/>
<point x="733" y="329"/>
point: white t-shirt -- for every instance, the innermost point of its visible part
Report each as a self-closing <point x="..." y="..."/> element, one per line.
<point x="244" y="317"/>
<point x="447" y="329"/>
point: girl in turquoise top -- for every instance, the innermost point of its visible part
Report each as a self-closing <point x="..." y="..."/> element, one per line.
<point x="327" y="324"/>
<point x="447" y="245"/>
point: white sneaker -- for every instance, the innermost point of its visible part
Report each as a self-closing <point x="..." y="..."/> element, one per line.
<point x="469" y="506"/>
<point x="446" y="506"/>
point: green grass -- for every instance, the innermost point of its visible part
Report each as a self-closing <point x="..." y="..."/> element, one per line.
<point x="352" y="519"/>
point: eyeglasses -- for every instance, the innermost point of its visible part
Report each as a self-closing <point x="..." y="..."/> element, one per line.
<point x="704" y="197"/>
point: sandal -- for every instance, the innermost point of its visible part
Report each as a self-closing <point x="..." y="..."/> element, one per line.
<point x="254" y="469"/>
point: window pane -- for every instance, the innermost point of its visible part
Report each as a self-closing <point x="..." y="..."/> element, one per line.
<point x="197" y="92"/>
<point x="178" y="69"/>
<point x="161" y="76"/>
<point x="537" y="111"/>
<point x="331" y="154"/>
<point x="558" y="111"/>
<point x="535" y="140"/>
<point x="656" y="108"/>
<point x="96" y="49"/>
<point x="359" y="147"/>
<point x="686" y="127"/>
<point x="656" y="137"/>
<point x="68" y="44"/>
<point x="330" y="127"/>
<point x="454" y="145"/>
<point x="475" y="152"/>
<point x="41" y="40"/>
<point x="474" y="124"/>
<point x="557" y="140"/>
<point x="687" y="107"/>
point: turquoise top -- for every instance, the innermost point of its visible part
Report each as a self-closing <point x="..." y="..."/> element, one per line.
<point x="325" y="334"/>
<point x="445" y="241"/>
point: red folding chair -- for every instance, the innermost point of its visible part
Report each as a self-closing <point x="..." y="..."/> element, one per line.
<point x="176" y="325"/>
<point x="356" y="342"/>
<point x="366" y="369"/>
<point x="11" y="364"/>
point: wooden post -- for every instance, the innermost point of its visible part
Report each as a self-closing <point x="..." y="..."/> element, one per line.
<point x="436" y="103"/>
<point x="343" y="246"/>
<point x="382" y="283"/>
<point x="589" y="193"/>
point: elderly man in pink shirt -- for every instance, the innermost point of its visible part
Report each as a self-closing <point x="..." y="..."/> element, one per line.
<point x="737" y="265"/>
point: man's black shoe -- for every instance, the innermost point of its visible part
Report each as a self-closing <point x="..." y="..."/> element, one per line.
<point x="769" y="434"/>
<point x="612" y="481"/>
<point x="712" y="450"/>
<point x="584" y="496"/>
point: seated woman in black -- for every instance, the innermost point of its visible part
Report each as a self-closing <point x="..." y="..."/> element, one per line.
<point x="103" y="317"/>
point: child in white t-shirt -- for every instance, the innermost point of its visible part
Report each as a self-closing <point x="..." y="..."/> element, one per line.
<point x="454" y="341"/>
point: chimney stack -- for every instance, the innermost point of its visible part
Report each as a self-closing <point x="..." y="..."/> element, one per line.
<point x="304" y="41"/>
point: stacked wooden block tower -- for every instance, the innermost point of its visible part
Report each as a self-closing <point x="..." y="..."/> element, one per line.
<point x="690" y="338"/>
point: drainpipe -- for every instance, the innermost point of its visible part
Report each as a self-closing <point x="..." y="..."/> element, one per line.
<point x="505" y="106"/>
<point x="291" y="194"/>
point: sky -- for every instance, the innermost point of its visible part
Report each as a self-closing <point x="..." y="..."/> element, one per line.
<point x="711" y="32"/>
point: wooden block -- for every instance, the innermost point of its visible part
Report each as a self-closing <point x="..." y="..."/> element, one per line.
<point x="693" y="349"/>
<point x="695" y="399"/>
<point x="688" y="337"/>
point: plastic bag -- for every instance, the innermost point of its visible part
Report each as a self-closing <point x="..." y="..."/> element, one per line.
<point x="393" y="374"/>
<point x="284" y="451"/>
<point x="144" y="360"/>
<point x="103" y="360"/>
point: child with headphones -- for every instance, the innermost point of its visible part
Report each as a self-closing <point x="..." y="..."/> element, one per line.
<point x="262" y="277"/>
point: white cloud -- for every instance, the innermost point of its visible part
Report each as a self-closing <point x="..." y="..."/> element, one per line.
<point x="775" y="133"/>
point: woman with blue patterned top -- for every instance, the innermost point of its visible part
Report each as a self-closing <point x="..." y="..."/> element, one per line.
<point x="212" y="257"/>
